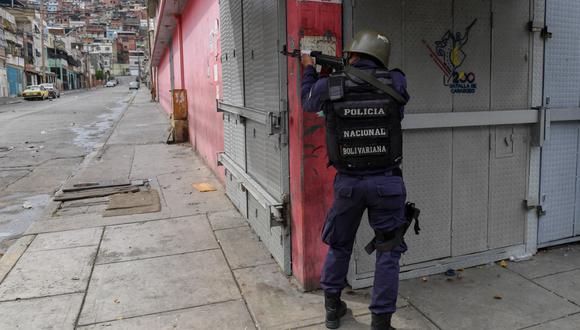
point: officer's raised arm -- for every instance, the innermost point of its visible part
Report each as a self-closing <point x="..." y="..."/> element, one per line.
<point x="314" y="90"/>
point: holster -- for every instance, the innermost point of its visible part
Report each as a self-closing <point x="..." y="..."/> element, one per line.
<point x="390" y="239"/>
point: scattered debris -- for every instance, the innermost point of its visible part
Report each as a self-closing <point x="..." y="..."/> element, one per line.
<point x="69" y="196"/>
<point x="424" y="279"/>
<point x="450" y="272"/>
<point x="116" y="301"/>
<point x="42" y="132"/>
<point x="27" y="205"/>
<point x="6" y="149"/>
<point x="497" y="297"/>
<point x="103" y="184"/>
<point x="98" y="189"/>
<point x="75" y="278"/>
<point x="503" y="263"/>
<point x="204" y="187"/>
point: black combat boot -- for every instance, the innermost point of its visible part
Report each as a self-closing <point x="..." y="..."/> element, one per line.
<point x="381" y="322"/>
<point x="335" y="309"/>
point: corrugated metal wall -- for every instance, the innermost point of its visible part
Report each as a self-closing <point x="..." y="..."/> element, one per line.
<point x="256" y="147"/>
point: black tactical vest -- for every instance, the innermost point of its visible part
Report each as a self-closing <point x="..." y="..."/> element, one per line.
<point x="363" y="124"/>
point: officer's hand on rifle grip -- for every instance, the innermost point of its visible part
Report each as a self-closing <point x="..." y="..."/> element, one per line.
<point x="307" y="60"/>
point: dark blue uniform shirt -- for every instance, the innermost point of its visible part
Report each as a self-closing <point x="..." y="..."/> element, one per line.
<point x="315" y="93"/>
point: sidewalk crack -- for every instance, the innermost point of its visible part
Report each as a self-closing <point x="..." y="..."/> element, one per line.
<point x="544" y="288"/>
<point x="548" y="321"/>
<point x="232" y="273"/>
<point x="89" y="279"/>
<point x="156" y="257"/>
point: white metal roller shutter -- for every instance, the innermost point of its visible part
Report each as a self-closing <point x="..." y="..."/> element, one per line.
<point x="255" y="123"/>
<point x="232" y="93"/>
<point x="559" y="188"/>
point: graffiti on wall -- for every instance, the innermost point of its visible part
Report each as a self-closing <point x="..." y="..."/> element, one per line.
<point x="449" y="56"/>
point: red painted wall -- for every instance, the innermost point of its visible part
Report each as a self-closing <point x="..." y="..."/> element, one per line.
<point x="199" y="46"/>
<point x="200" y="26"/>
<point x="310" y="178"/>
<point x="164" y="83"/>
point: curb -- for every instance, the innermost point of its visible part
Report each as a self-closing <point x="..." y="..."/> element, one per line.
<point x="53" y="206"/>
<point x="11" y="102"/>
<point x="13" y="254"/>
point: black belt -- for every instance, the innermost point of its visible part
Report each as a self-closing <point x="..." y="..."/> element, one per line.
<point x="394" y="172"/>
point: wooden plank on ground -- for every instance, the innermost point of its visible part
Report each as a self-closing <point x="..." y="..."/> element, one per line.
<point x="94" y="193"/>
<point x="102" y="184"/>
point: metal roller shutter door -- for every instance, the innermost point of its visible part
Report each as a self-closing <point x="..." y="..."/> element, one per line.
<point x="468" y="181"/>
<point x="560" y="187"/>
<point x="256" y="150"/>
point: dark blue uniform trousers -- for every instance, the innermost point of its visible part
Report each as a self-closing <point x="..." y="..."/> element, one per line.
<point x="383" y="195"/>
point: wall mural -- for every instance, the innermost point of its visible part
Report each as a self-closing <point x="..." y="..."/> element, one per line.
<point x="448" y="55"/>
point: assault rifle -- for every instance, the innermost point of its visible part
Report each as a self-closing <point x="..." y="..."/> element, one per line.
<point x="326" y="61"/>
<point x="339" y="64"/>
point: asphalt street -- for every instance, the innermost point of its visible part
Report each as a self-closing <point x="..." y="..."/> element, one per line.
<point x="41" y="145"/>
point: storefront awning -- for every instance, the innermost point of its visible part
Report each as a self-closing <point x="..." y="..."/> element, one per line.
<point x="165" y="25"/>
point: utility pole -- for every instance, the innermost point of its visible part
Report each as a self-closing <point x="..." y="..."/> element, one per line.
<point x="42" y="41"/>
<point x="149" y="50"/>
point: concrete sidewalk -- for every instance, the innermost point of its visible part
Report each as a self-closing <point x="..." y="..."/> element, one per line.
<point x="6" y="100"/>
<point x="197" y="265"/>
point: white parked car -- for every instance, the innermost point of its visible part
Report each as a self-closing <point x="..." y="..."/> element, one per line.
<point x="53" y="92"/>
<point x="111" y="83"/>
<point x="134" y="85"/>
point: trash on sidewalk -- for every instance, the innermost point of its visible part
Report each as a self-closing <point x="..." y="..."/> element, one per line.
<point x="503" y="264"/>
<point x="103" y="184"/>
<point x="204" y="187"/>
<point x="143" y="201"/>
<point x="62" y="197"/>
<point x="27" y="205"/>
<point x="450" y="272"/>
<point x="97" y="189"/>
<point x="6" y="149"/>
<point x="498" y="297"/>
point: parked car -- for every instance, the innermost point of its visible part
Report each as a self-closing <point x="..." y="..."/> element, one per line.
<point x="52" y="91"/>
<point x="35" y="92"/>
<point x="133" y="85"/>
<point x="111" y="83"/>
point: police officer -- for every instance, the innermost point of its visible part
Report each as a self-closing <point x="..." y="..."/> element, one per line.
<point x="364" y="144"/>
